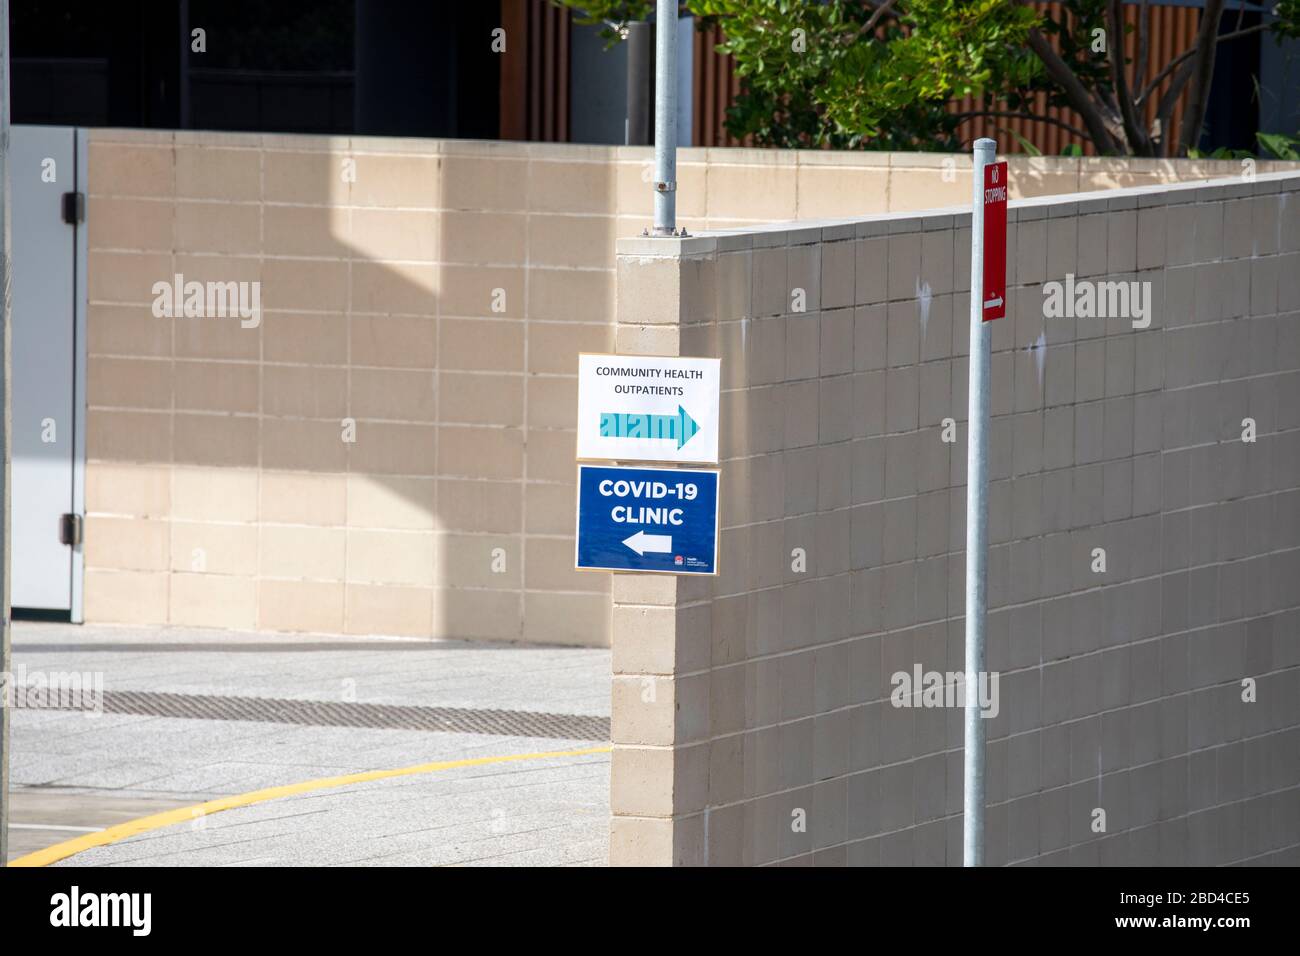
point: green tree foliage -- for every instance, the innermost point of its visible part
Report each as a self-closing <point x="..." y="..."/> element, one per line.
<point x="879" y="73"/>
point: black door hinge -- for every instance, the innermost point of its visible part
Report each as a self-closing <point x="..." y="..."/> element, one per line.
<point x="74" y="208"/>
<point x="70" y="529"/>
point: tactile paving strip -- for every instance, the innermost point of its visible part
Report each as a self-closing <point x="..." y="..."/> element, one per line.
<point x="319" y="713"/>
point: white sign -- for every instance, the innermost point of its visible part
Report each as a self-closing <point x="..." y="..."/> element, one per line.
<point x="648" y="408"/>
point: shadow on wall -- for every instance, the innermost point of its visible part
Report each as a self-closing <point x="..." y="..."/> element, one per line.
<point x="435" y="295"/>
<point x="390" y="448"/>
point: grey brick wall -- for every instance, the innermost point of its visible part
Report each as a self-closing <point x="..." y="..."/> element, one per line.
<point x="1119" y="690"/>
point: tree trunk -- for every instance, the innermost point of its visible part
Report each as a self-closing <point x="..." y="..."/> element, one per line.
<point x="1207" y="38"/>
<point x="1075" y="92"/>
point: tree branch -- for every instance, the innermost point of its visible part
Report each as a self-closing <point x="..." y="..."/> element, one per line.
<point x="877" y="13"/>
<point x="1074" y="90"/>
<point x="875" y="17"/>
<point x="1009" y="114"/>
<point x="1165" y="109"/>
<point x="1110" y="107"/>
<point x="1198" y="99"/>
<point x="1144" y="46"/>
<point x="1133" y="132"/>
<point x="1188" y="54"/>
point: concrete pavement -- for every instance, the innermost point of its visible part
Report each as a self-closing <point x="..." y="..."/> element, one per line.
<point x="77" y="770"/>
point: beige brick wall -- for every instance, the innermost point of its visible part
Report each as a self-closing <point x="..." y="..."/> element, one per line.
<point x="746" y="704"/>
<point x="219" y="489"/>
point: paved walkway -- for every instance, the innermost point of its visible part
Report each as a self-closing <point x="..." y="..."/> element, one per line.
<point x="337" y="700"/>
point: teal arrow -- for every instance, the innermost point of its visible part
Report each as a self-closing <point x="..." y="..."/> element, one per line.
<point x="680" y="427"/>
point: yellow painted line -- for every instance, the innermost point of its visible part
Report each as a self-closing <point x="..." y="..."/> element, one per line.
<point x="61" y="851"/>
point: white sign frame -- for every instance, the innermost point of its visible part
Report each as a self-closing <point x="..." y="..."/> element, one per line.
<point x="616" y="425"/>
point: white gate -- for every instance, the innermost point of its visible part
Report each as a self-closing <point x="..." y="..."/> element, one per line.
<point x="47" y="173"/>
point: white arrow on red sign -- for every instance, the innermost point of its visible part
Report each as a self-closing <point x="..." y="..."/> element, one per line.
<point x="995" y="240"/>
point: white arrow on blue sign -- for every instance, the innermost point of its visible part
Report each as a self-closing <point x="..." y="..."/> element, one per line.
<point x="647" y="519"/>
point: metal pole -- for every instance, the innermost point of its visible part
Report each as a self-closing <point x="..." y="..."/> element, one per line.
<point x="6" y="285"/>
<point x="665" y="117"/>
<point x="977" y="517"/>
<point x="184" y="85"/>
<point x="640" y="55"/>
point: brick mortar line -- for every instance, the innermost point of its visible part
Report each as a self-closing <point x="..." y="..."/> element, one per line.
<point x="957" y="813"/>
<point x="1016" y="670"/>
<point x="846" y="708"/>
<point x="1069" y="845"/>
<point x="339" y="258"/>
<point x="1023" y="669"/>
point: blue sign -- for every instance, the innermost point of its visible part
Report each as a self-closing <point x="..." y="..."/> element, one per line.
<point x="647" y="519"/>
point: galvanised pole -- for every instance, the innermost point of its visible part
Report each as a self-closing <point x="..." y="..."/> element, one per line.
<point x="6" y="286"/>
<point x="665" y="117"/>
<point x="977" y="517"/>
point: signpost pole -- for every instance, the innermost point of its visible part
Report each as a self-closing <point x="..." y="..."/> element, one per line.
<point x="6" y="284"/>
<point x="665" y="117"/>
<point x="977" y="478"/>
